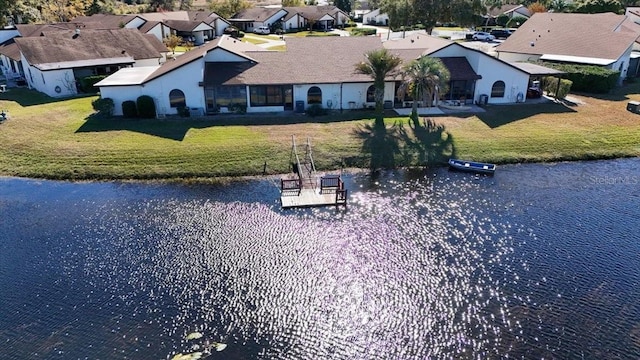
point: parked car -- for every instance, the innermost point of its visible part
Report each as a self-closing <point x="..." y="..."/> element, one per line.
<point x="501" y="33"/>
<point x="262" y="30"/>
<point x="483" y="36"/>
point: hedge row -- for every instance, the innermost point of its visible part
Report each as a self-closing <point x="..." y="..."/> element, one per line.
<point x="588" y="78"/>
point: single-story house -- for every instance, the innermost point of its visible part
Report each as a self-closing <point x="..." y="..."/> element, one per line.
<point x="53" y="63"/>
<point x="197" y="26"/>
<point x="475" y="76"/>
<point x="375" y="17"/>
<point x="509" y="10"/>
<point x="604" y="39"/>
<point x="249" y="19"/>
<point x="226" y="73"/>
<point x="320" y="17"/>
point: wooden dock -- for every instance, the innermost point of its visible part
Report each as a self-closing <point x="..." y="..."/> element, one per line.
<point x="310" y="198"/>
<point x="305" y="188"/>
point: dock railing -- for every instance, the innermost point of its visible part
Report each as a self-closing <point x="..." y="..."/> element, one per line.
<point x="290" y="187"/>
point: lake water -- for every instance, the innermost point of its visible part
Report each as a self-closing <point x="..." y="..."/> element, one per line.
<point x="539" y="261"/>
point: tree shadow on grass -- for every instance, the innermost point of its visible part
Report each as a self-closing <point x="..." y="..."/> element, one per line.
<point x="381" y="143"/>
<point x="167" y="129"/>
<point x="27" y="97"/>
<point x="428" y="144"/>
<point x="498" y="115"/>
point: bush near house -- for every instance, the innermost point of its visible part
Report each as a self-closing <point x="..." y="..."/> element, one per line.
<point x="550" y="85"/>
<point x="588" y="78"/>
<point x="316" y="110"/>
<point x="146" y="107"/>
<point x="516" y="21"/>
<point x="129" y="109"/>
<point x="363" y="31"/>
<point x="104" y="107"/>
<point x="87" y="82"/>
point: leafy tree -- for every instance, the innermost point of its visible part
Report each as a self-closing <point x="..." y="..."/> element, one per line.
<point x="344" y="5"/>
<point x="292" y="3"/>
<point x="599" y="6"/>
<point x="228" y="8"/>
<point x="171" y="42"/>
<point x="185" y="4"/>
<point x="537" y="7"/>
<point x="398" y="12"/>
<point x="560" y="6"/>
<point x="379" y="64"/>
<point x="159" y="5"/>
<point x="423" y="79"/>
<point x="516" y="21"/>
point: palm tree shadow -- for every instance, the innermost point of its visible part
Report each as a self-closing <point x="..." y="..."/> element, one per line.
<point x="430" y="144"/>
<point x="381" y="142"/>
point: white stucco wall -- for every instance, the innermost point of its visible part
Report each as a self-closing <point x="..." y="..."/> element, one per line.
<point x="515" y="57"/>
<point x="185" y="78"/>
<point x="135" y="23"/>
<point x="146" y="62"/>
<point x="220" y="25"/>
<point x="341" y="95"/>
<point x="47" y="81"/>
<point x="7" y="70"/>
<point x="221" y="55"/>
<point x="120" y="94"/>
<point x="491" y="70"/>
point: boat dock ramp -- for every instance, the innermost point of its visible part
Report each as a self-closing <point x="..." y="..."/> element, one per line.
<point x="305" y="188"/>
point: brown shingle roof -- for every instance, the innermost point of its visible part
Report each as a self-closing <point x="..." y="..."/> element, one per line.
<point x="605" y="36"/>
<point x="10" y="49"/>
<point x="258" y="14"/>
<point x="184" y="59"/>
<point x="423" y="41"/>
<point x="206" y="16"/>
<point x="459" y="68"/>
<point x="66" y="46"/>
<point x="104" y="21"/>
<point x="183" y="25"/>
<point x="311" y="12"/>
<point x="310" y="61"/>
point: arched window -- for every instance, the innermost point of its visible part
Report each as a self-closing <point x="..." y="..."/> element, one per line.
<point x="314" y="95"/>
<point x="497" y="90"/>
<point x="371" y="94"/>
<point x="176" y="98"/>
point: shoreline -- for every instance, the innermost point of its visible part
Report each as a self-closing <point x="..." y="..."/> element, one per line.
<point x="225" y="180"/>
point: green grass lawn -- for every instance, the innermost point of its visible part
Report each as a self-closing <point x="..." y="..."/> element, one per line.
<point x="59" y="139"/>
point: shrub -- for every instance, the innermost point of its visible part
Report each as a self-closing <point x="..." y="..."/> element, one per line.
<point x="550" y="85"/>
<point x="237" y="108"/>
<point x="183" y="111"/>
<point x="588" y="78"/>
<point x="87" y="82"/>
<point x="146" y="107"/>
<point x="363" y="31"/>
<point x="316" y="110"/>
<point x="516" y="21"/>
<point x="104" y="106"/>
<point x="129" y="109"/>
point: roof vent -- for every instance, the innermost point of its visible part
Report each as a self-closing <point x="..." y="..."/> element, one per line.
<point x="77" y="31"/>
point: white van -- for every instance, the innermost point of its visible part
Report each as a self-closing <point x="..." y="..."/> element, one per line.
<point x="262" y="30"/>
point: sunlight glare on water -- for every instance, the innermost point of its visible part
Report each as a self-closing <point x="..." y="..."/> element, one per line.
<point x="411" y="274"/>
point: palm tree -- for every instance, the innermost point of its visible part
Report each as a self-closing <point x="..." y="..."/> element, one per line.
<point x="380" y="64"/>
<point x="423" y="78"/>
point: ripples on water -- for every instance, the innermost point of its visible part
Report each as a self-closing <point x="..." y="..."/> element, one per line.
<point x="442" y="265"/>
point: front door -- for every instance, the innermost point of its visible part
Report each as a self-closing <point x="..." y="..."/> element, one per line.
<point x="288" y="97"/>
<point x="210" y="100"/>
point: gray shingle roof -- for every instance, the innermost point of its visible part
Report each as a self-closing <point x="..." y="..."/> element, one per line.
<point x="605" y="36"/>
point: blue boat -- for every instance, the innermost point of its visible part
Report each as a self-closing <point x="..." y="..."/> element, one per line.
<point x="471" y="166"/>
